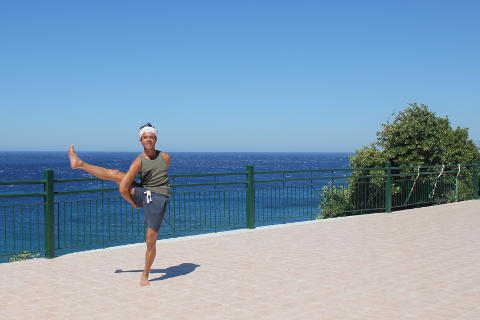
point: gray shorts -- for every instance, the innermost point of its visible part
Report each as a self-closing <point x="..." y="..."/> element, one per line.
<point x="153" y="211"/>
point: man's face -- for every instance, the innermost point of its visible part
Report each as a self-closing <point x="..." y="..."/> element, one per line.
<point x="148" y="140"/>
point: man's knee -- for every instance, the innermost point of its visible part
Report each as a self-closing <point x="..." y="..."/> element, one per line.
<point x="151" y="239"/>
<point x="117" y="175"/>
<point x="151" y="243"/>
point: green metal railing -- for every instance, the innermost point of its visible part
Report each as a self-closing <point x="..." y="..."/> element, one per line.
<point x="75" y="214"/>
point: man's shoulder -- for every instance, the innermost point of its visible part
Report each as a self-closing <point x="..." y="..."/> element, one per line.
<point x="137" y="163"/>
<point x="165" y="157"/>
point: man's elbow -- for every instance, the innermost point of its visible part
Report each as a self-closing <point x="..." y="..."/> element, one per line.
<point x="123" y="190"/>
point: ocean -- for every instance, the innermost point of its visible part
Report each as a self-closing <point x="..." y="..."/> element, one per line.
<point x="24" y="165"/>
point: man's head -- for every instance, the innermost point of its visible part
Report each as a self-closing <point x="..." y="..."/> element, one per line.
<point x="147" y="128"/>
<point x="148" y="135"/>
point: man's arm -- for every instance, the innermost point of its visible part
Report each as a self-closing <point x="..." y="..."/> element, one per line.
<point x="126" y="185"/>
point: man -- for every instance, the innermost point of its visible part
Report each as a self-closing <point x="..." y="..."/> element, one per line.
<point x="152" y="194"/>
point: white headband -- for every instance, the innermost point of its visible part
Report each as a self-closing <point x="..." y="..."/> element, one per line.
<point x="148" y="129"/>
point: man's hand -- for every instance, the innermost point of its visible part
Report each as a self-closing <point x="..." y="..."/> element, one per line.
<point x="135" y="205"/>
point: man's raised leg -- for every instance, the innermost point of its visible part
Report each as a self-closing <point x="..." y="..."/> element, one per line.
<point x="149" y="255"/>
<point x="99" y="172"/>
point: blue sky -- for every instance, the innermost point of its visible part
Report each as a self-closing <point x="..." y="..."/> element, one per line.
<point x="231" y="75"/>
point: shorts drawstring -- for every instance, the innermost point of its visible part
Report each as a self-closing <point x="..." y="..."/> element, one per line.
<point x="149" y="196"/>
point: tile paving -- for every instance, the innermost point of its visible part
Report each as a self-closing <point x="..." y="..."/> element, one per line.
<point x="413" y="264"/>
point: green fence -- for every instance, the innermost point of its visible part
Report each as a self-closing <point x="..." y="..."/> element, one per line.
<point x="62" y="216"/>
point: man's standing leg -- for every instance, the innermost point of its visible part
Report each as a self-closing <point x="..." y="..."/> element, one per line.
<point x="149" y="255"/>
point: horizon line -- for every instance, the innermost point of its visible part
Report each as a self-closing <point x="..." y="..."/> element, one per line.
<point x="182" y="151"/>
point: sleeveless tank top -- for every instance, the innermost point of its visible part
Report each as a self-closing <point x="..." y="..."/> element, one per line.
<point x="153" y="175"/>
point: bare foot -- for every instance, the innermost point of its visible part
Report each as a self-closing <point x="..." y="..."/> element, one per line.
<point x="144" y="281"/>
<point x="75" y="161"/>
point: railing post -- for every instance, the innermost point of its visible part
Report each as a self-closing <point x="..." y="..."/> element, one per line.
<point x="475" y="179"/>
<point x="250" y="198"/>
<point x="48" y="201"/>
<point x="388" y="188"/>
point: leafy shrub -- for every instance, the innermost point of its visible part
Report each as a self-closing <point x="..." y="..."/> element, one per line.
<point x="23" y="256"/>
<point x="334" y="201"/>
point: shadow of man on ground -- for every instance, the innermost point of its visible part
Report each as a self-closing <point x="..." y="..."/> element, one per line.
<point x="170" y="272"/>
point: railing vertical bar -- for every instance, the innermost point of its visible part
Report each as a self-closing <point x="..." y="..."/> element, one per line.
<point x="64" y="223"/>
<point x="258" y="204"/>
<point x="250" y="198"/>
<point x="312" y="187"/>
<point x="90" y="222"/>
<point x="366" y="199"/>
<point x="129" y="212"/>
<point x="267" y="210"/>
<point x="388" y="188"/>
<point x="214" y="208"/>
<point x="173" y="195"/>
<point x="109" y="226"/>
<point x="58" y="225"/>
<point x="96" y="220"/>
<point x="475" y="179"/>
<point x="84" y="220"/>
<point x="197" y="209"/>
<point x="14" y="221"/>
<point x="215" y="211"/>
<point x="231" y="204"/>
<point x="203" y="208"/>
<point x="191" y="208"/>
<point x="30" y="228"/>
<point x="292" y="204"/>
<point x="123" y="213"/>
<point x="114" y="219"/>
<point x="39" y="246"/>
<point x="285" y="197"/>
<point x="194" y="210"/>
<point x="294" y="212"/>
<point x="279" y="204"/>
<point x="234" y="201"/>
<point x="273" y="198"/>
<point x="184" y="194"/>
<point x="5" y="228"/>
<point x="71" y="223"/>
<point x="227" y="213"/>
<point x="205" y="211"/>
<point x="49" y="216"/>
<point x="77" y="216"/>
<point x="22" y="227"/>
<point x="124" y="209"/>
<point x="174" y="213"/>
<point x="289" y="199"/>
<point x="218" y="211"/>
<point x="138" y="221"/>
<point x="303" y="190"/>
<point x="270" y="202"/>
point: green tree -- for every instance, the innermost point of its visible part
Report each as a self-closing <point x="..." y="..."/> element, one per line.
<point x="416" y="137"/>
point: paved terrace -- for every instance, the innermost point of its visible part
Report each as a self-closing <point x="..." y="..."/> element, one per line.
<point x="413" y="264"/>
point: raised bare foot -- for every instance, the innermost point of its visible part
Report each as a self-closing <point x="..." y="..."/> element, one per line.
<point x="144" y="281"/>
<point x="75" y="161"/>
